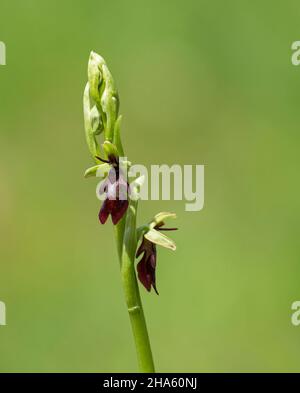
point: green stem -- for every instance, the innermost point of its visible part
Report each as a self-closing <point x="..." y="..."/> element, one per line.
<point x="131" y="290"/>
<point x="126" y="236"/>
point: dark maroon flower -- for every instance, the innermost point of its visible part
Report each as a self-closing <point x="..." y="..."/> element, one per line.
<point x="116" y="189"/>
<point x="147" y="265"/>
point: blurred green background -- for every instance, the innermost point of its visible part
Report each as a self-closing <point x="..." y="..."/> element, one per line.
<point x="200" y="82"/>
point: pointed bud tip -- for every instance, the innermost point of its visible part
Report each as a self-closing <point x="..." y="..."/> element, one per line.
<point x="94" y="56"/>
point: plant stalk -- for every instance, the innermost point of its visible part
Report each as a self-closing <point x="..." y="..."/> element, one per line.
<point x="131" y="289"/>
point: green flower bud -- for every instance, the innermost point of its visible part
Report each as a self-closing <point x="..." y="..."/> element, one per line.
<point x="92" y="123"/>
<point x="110" y="149"/>
<point x="104" y="93"/>
<point x="96" y="121"/>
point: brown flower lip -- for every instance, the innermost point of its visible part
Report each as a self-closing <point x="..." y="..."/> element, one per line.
<point x="116" y="189"/>
<point x="147" y="265"/>
<point x="146" y="268"/>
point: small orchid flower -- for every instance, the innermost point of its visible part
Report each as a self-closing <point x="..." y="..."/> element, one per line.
<point x="116" y="190"/>
<point x="116" y="202"/>
<point x="151" y="237"/>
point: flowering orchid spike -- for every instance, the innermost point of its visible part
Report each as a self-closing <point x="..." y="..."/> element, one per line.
<point x="101" y="106"/>
<point x="152" y="237"/>
<point x="101" y="116"/>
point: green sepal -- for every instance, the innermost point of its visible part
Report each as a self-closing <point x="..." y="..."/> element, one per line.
<point x="96" y="122"/>
<point x="160" y="239"/>
<point x="141" y="230"/>
<point x="97" y="170"/>
<point x="117" y="136"/>
<point x="160" y="218"/>
<point x="95" y="77"/>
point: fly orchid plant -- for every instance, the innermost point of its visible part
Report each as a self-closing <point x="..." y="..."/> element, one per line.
<point x="101" y="116"/>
